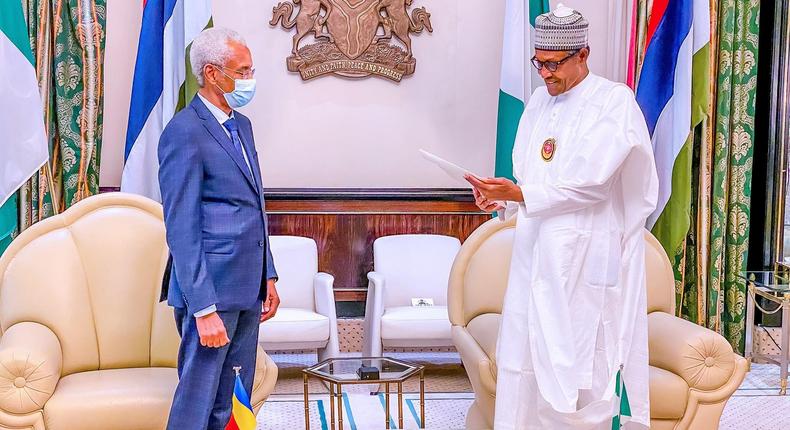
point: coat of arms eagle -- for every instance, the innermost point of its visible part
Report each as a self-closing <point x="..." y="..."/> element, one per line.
<point x="347" y="37"/>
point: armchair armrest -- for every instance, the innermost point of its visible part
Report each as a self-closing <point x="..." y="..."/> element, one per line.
<point x="30" y="364"/>
<point x="374" y="309"/>
<point x="266" y="372"/>
<point x="374" y="304"/>
<point x="482" y="371"/>
<point x="702" y="357"/>
<point x="323" y="283"/>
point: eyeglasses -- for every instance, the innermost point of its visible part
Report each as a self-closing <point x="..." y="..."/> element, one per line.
<point x="552" y="66"/>
<point x="245" y="74"/>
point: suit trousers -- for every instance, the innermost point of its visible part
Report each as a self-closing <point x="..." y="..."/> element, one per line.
<point x="203" y="397"/>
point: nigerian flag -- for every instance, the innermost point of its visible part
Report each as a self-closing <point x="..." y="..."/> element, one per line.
<point x="23" y="142"/>
<point x="518" y="78"/>
<point x="623" y="412"/>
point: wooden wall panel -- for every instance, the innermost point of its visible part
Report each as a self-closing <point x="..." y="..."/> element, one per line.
<point x="344" y="230"/>
<point x="345" y="241"/>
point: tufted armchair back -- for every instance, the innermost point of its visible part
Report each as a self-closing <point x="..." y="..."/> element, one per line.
<point x="92" y="275"/>
<point x="484" y="259"/>
<point x="660" y="277"/>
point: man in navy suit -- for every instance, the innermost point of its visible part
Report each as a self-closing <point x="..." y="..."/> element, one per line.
<point x="222" y="280"/>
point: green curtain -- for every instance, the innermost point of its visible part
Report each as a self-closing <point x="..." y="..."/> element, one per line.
<point x="67" y="38"/>
<point x="708" y="261"/>
<point x="733" y="153"/>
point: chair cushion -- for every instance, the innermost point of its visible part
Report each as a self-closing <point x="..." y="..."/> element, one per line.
<point x="119" y="399"/>
<point x="411" y="322"/>
<point x="668" y="394"/>
<point x="291" y="325"/>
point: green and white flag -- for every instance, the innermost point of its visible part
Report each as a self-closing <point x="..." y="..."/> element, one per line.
<point x="518" y="78"/>
<point x="623" y="412"/>
<point x="23" y="142"/>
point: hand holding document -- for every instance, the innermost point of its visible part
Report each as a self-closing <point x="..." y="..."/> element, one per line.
<point x="462" y="174"/>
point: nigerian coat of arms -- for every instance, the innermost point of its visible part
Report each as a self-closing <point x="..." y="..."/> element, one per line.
<point x="352" y="37"/>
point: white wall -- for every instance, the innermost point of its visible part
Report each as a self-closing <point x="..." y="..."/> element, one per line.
<point x="335" y="132"/>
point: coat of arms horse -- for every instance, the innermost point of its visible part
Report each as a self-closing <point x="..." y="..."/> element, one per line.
<point x="353" y="44"/>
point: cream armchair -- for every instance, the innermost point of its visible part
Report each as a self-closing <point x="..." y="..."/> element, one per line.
<point x="693" y="370"/>
<point x="307" y="318"/>
<point x="408" y="266"/>
<point x="86" y="344"/>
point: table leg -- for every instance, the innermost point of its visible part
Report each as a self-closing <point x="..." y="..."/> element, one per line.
<point x="387" y="403"/>
<point x="332" y="405"/>
<point x="306" y="404"/>
<point x="750" y="311"/>
<point x="400" y="405"/>
<point x="785" y="349"/>
<point x="340" y="407"/>
<point x="422" y="399"/>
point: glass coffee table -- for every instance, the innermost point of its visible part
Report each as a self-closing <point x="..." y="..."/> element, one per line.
<point x="774" y="287"/>
<point x="336" y="372"/>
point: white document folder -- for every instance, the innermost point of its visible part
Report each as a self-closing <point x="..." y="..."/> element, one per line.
<point x="457" y="172"/>
<point x="453" y="170"/>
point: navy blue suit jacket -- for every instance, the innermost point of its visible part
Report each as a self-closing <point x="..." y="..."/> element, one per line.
<point x="214" y="212"/>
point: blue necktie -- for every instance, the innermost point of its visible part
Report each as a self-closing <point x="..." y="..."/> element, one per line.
<point x="233" y="128"/>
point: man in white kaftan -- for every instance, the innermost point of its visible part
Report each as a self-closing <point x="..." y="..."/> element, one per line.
<point x="575" y="312"/>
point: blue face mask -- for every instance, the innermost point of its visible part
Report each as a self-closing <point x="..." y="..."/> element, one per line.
<point x="242" y="94"/>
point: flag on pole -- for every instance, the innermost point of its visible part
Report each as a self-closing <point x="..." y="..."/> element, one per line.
<point x="162" y="85"/>
<point x="242" y="417"/>
<point x="518" y="78"/>
<point x="23" y="141"/>
<point x="674" y="95"/>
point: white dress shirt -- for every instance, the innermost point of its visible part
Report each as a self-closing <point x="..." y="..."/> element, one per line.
<point x="221" y="117"/>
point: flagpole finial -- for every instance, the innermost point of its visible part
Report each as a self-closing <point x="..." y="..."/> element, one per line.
<point x="237" y="369"/>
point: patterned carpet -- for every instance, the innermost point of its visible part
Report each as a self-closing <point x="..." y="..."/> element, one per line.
<point x="755" y="406"/>
<point x="443" y="373"/>
<point x="363" y="411"/>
